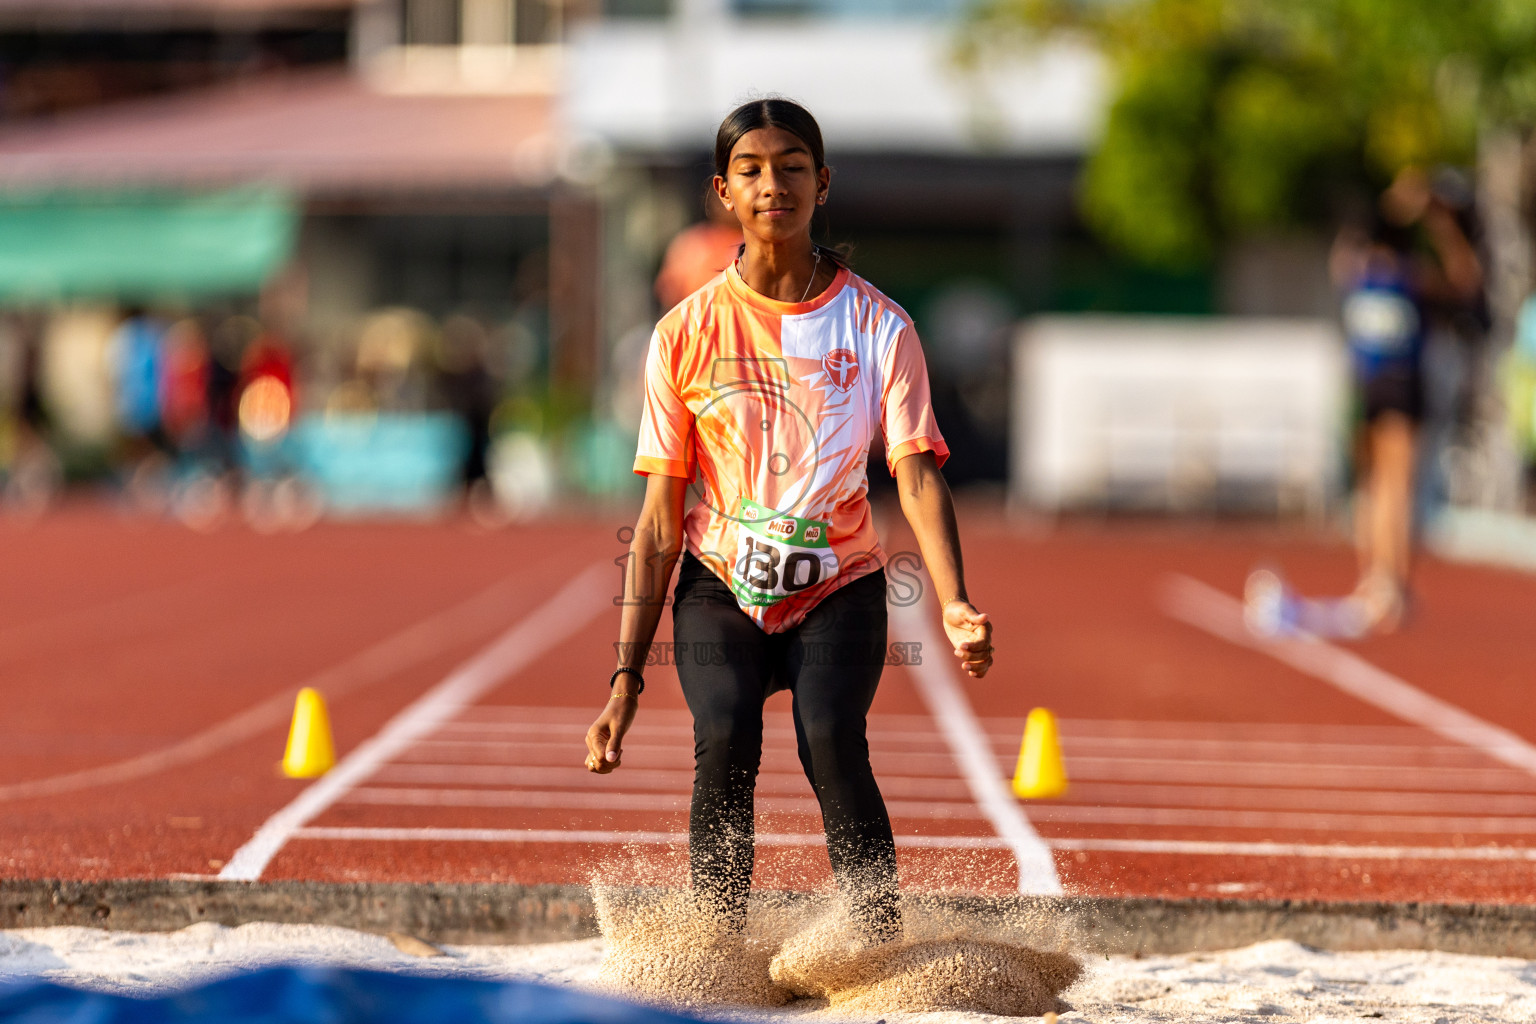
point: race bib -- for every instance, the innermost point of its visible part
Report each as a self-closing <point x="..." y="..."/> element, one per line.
<point x="1380" y="322"/>
<point x="779" y="555"/>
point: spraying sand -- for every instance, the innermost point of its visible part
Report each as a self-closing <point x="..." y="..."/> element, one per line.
<point x="661" y="949"/>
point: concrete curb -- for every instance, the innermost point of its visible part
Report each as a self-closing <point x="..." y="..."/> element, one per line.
<point x="510" y="914"/>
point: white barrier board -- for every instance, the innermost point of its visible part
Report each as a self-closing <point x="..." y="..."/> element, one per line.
<point x="1177" y="412"/>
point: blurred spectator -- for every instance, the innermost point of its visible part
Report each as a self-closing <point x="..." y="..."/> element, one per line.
<point x="697" y="254"/>
<point x="184" y="387"/>
<point x="265" y="405"/>
<point x="466" y="388"/>
<point x="388" y="346"/>
<point x="1414" y="261"/>
<point x="229" y="342"/>
<point x="32" y="473"/>
<point x="135" y="354"/>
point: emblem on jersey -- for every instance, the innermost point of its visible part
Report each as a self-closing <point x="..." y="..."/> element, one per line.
<point x="782" y="527"/>
<point x="812" y="534"/>
<point x="749" y="512"/>
<point x="842" y="367"/>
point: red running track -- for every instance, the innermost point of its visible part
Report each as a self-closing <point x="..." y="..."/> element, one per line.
<point x="150" y="671"/>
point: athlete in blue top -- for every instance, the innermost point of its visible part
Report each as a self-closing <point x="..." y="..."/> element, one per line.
<point x="1415" y="256"/>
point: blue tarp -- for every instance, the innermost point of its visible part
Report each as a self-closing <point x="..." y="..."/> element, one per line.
<point x="316" y="995"/>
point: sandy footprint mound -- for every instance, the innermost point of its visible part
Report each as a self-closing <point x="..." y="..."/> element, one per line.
<point x="954" y="972"/>
<point x="659" y="947"/>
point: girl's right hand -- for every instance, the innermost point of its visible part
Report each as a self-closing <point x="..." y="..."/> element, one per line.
<point x="607" y="733"/>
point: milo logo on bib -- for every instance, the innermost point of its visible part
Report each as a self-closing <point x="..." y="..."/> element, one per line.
<point x="778" y="555"/>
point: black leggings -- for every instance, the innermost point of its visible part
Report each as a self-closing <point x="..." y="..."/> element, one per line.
<point x="831" y="663"/>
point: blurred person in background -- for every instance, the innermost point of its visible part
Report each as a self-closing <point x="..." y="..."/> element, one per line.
<point x="389" y="365"/>
<point x="694" y="256"/>
<point x="184" y="388"/>
<point x="33" y="475"/>
<point x="135" y="356"/>
<point x="1414" y="266"/>
<point x="266" y="393"/>
<point x="466" y="388"/>
<point x="227" y="345"/>
<point x="697" y="253"/>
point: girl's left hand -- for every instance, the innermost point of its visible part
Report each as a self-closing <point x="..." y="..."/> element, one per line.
<point x="971" y="633"/>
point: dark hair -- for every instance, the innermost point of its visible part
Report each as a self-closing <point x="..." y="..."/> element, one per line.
<point x="774" y="112"/>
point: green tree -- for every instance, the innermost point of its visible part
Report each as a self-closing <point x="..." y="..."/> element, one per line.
<point x="1232" y="117"/>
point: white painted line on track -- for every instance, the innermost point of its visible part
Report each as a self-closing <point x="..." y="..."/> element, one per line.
<point x="1187" y="847"/>
<point x="1207" y="608"/>
<point x="1275" y="798"/>
<point x="653" y="779"/>
<point x="1298" y="821"/>
<point x="557" y="619"/>
<point x="946" y="701"/>
<point x="1096" y="794"/>
<point x="593" y="836"/>
<point x="1178" y="847"/>
<point x="678" y="756"/>
<point x="1259" y="773"/>
<point x="1277" y="752"/>
<point x="628" y="801"/>
<point x="1225" y="818"/>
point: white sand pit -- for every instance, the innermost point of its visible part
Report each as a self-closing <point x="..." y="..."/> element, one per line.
<point x="1271" y="982"/>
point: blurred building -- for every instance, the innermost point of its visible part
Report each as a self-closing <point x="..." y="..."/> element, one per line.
<point x="952" y="185"/>
<point x="524" y="164"/>
<point x="305" y="162"/>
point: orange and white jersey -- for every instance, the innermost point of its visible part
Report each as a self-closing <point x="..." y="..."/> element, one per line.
<point x="771" y="408"/>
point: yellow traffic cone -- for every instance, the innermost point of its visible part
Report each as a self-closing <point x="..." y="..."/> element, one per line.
<point x="1041" y="773"/>
<point x="310" y="751"/>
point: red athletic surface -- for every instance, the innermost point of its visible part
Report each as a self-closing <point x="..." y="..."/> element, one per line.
<point x="122" y="637"/>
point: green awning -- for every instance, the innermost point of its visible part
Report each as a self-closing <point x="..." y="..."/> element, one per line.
<point x="136" y="246"/>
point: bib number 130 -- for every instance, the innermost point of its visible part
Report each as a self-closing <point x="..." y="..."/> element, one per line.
<point x="778" y="557"/>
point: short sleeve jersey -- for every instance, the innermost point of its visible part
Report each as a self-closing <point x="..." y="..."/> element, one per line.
<point x="771" y="407"/>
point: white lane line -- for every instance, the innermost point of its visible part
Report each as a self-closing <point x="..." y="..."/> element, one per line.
<point x="538" y="835"/>
<point x="1251" y="751"/>
<point x="566" y="799"/>
<point x="932" y="810"/>
<point x="553" y="754"/>
<point x="676" y="780"/>
<point x="1276" y="798"/>
<point x="1179" y="847"/>
<point x="1260" y="798"/>
<point x="1134" y="753"/>
<point x="1185" y="847"/>
<point x="558" y="618"/>
<point x="1308" y="821"/>
<point x="947" y="703"/>
<point x="1256" y="798"/>
<point x="1244" y="732"/>
<point x="1207" y="608"/>
<point x="389" y="657"/>
<point x="1343" y="776"/>
<point x="1005" y="732"/>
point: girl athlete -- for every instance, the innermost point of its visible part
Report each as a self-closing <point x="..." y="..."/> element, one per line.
<point x="767" y="386"/>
